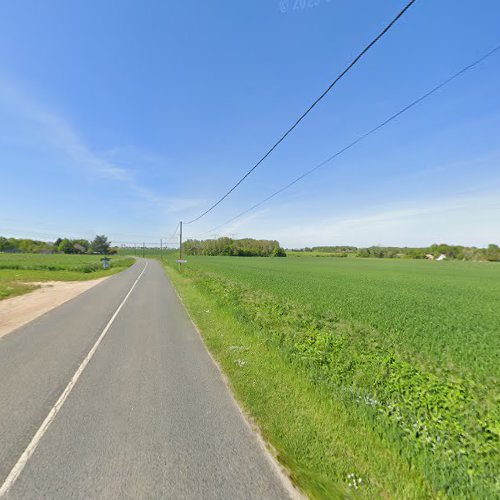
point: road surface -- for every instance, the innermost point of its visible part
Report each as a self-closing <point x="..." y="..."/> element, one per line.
<point x="98" y="401"/>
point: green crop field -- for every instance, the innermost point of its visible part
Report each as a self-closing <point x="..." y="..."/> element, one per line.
<point x="19" y="271"/>
<point x="291" y="253"/>
<point x="370" y="377"/>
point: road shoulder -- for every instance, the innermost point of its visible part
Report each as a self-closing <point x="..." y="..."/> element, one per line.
<point x="21" y="310"/>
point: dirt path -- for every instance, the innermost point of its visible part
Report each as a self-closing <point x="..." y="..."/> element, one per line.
<point x="18" y="311"/>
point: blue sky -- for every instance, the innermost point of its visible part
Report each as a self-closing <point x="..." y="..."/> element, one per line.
<point x="124" y="117"/>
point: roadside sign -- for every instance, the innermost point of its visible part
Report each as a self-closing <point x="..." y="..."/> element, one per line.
<point x="181" y="261"/>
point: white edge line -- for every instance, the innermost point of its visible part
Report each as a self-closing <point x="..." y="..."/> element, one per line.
<point x="23" y="459"/>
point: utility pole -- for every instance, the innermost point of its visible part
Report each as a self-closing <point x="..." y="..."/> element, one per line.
<point x="161" y="250"/>
<point x="180" y="246"/>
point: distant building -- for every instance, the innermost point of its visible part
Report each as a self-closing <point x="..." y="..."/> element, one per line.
<point x="79" y="248"/>
<point x="441" y="257"/>
<point x="429" y="256"/>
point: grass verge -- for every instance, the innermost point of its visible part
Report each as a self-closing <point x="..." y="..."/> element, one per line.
<point x="17" y="274"/>
<point x="332" y="448"/>
<point x="10" y="289"/>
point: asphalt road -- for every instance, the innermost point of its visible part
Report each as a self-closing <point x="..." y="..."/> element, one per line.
<point x="148" y="417"/>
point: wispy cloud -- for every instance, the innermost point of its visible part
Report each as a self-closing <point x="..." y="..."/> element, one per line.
<point x="56" y="131"/>
<point x="470" y="219"/>
<point x="233" y="228"/>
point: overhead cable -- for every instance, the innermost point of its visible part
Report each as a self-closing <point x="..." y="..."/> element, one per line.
<point x="307" y="111"/>
<point x="359" y="139"/>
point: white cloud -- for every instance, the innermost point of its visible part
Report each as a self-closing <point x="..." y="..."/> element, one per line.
<point x="230" y="229"/>
<point x="52" y="129"/>
<point x="471" y="219"/>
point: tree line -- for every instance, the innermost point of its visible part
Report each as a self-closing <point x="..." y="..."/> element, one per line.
<point x="247" y="247"/>
<point x="459" y="252"/>
<point x="99" y="244"/>
<point x="327" y="249"/>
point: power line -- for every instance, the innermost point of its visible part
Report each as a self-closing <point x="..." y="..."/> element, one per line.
<point x="309" y="109"/>
<point x="360" y="138"/>
<point x="174" y="233"/>
<point x="149" y="244"/>
<point x="168" y="241"/>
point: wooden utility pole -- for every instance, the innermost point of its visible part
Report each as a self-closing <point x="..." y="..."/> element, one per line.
<point x="180" y="245"/>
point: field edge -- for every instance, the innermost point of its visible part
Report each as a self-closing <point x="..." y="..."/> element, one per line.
<point x="295" y="419"/>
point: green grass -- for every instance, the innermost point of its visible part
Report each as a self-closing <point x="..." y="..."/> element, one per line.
<point x="385" y="369"/>
<point x="12" y="288"/>
<point x="18" y="271"/>
<point x="291" y="253"/>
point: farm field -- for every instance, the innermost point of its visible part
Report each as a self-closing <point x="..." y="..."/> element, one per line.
<point x="19" y="271"/>
<point x="392" y="367"/>
<point x="291" y="253"/>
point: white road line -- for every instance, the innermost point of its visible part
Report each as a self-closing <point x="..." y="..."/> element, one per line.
<point x="23" y="459"/>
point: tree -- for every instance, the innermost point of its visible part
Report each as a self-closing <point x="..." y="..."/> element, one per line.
<point x="279" y="252"/>
<point x="81" y="246"/>
<point x="100" y="244"/>
<point x="4" y="244"/>
<point x="493" y="252"/>
<point x="246" y="247"/>
<point x="66" y="246"/>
